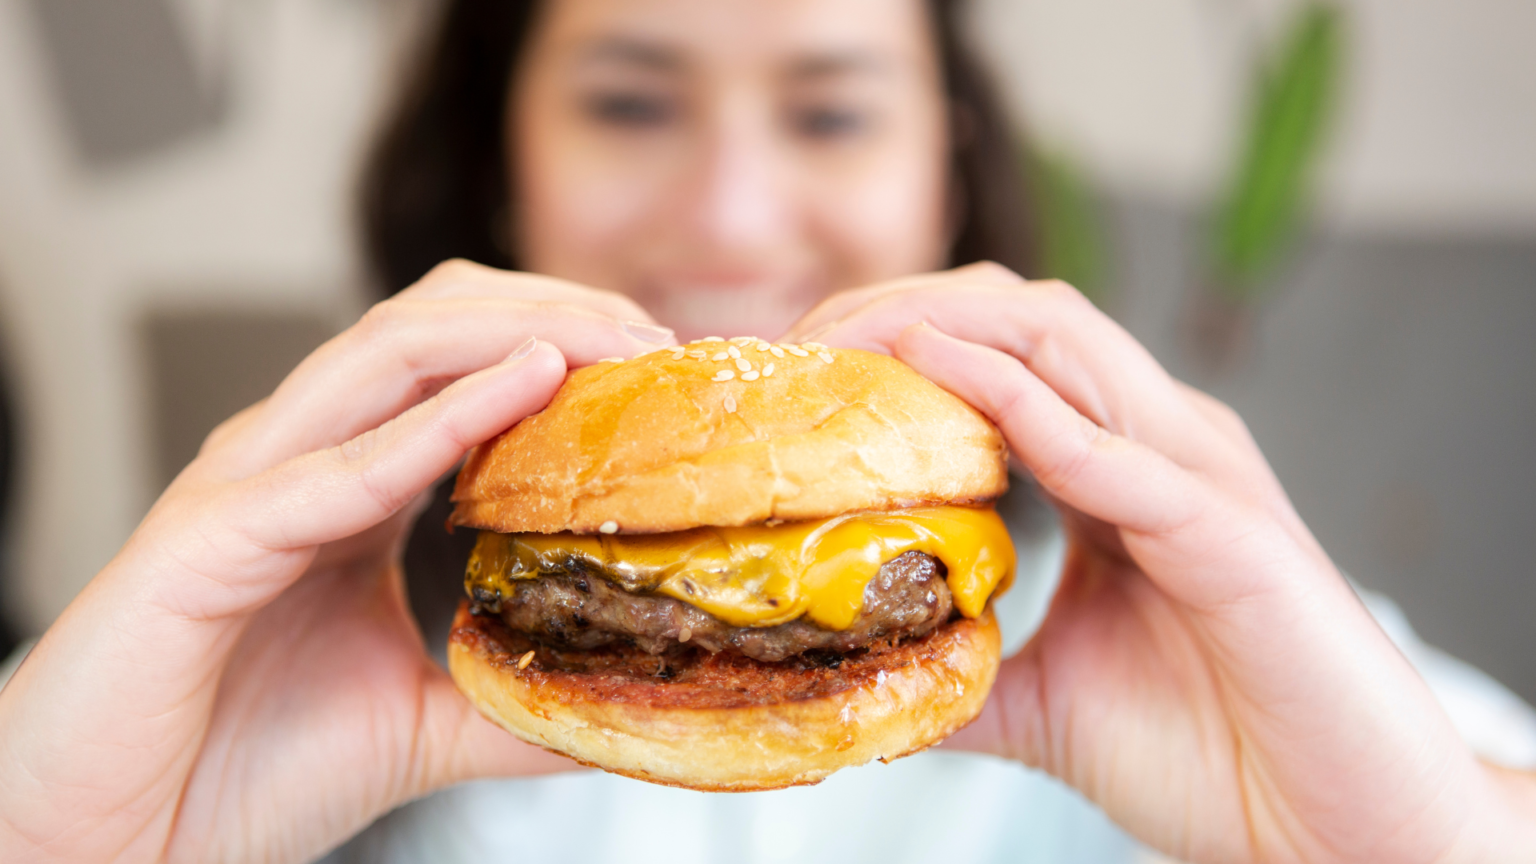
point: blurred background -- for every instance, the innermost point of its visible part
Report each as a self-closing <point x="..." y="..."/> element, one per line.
<point x="1324" y="213"/>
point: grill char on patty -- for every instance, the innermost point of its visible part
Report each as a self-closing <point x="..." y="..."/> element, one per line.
<point x="584" y="611"/>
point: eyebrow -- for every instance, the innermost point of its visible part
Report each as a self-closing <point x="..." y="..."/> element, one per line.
<point x="661" y="58"/>
<point x="833" y="64"/>
<point x="632" y="52"/>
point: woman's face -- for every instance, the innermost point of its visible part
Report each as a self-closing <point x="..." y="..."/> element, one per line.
<point x="728" y="163"/>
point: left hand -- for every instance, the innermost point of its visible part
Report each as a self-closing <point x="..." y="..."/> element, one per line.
<point x="244" y="681"/>
<point x="1205" y="674"/>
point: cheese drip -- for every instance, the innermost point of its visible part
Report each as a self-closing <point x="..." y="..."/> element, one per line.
<point x="760" y="576"/>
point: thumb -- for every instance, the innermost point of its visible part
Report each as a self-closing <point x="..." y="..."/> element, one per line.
<point x="456" y="743"/>
<point x="1010" y="725"/>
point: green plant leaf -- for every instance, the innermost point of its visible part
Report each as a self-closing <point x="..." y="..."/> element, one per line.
<point x="1292" y="102"/>
<point x="1073" y="246"/>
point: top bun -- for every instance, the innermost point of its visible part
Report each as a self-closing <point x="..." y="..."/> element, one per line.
<point x="677" y="439"/>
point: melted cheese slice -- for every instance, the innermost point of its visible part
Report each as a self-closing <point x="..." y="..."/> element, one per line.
<point x="760" y="576"/>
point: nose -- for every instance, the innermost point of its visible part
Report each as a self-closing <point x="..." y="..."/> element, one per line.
<point x="741" y="202"/>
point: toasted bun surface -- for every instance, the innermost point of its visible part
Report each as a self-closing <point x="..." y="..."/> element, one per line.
<point x="722" y="723"/>
<point x="659" y="444"/>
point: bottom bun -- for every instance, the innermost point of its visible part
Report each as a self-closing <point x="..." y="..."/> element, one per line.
<point x="726" y="723"/>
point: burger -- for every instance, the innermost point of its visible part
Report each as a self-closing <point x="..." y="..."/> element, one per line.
<point x="734" y="565"/>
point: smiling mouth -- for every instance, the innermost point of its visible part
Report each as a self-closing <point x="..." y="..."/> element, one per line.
<point x="764" y="311"/>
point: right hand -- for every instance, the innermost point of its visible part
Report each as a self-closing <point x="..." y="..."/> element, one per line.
<point x="1204" y="673"/>
<point x="244" y="680"/>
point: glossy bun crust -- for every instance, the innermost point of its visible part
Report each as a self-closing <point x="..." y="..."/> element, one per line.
<point x="667" y="442"/>
<point x="720" y="722"/>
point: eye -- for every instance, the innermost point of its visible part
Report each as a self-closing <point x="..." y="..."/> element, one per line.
<point x="827" y="122"/>
<point x="634" y="110"/>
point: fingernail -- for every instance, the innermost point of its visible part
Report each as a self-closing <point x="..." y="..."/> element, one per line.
<point x="647" y="332"/>
<point x="523" y="350"/>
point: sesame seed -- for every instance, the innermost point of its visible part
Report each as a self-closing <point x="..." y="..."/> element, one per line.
<point x="685" y="634"/>
<point x="522" y="662"/>
<point x="724" y="375"/>
<point x="730" y="404"/>
<point x="776" y="351"/>
<point x="698" y="354"/>
<point x="611" y="360"/>
<point x="761" y="346"/>
<point x="813" y="346"/>
<point x="797" y="351"/>
<point x="825" y="357"/>
<point x="721" y="356"/>
<point x="743" y="340"/>
<point x="678" y="352"/>
<point x="734" y="352"/>
<point x="711" y="339"/>
<point x="609" y="527"/>
<point x="749" y="376"/>
<point x="743" y="364"/>
<point x="767" y="370"/>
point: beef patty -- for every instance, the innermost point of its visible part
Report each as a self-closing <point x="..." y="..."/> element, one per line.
<point x="582" y="610"/>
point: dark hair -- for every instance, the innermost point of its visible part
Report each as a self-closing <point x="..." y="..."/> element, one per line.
<point x="436" y="186"/>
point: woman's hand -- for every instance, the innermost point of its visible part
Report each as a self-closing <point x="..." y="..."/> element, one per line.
<point x="1204" y="674"/>
<point x="244" y="680"/>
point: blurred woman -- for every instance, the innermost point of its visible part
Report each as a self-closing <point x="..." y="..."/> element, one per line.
<point x="245" y="679"/>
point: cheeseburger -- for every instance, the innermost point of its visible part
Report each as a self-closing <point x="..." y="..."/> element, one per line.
<point x="734" y="565"/>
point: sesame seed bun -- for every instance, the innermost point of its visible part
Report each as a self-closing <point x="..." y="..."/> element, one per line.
<point x="723" y="723"/>
<point x="677" y="439"/>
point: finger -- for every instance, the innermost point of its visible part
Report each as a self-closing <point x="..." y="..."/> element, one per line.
<point x="1092" y="362"/>
<point x="1249" y="472"/>
<point x="256" y="536"/>
<point x="1011" y="723"/>
<point x="835" y="308"/>
<point x="401" y="353"/>
<point x="1107" y="476"/>
<point x="1047" y="325"/>
<point x="458" y="744"/>
<point x="461" y="278"/>
<point x="1201" y="546"/>
<point x="337" y="492"/>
